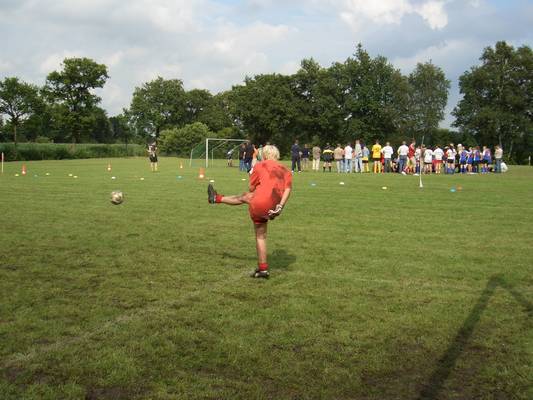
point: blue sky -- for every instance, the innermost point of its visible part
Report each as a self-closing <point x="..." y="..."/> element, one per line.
<point x="214" y="44"/>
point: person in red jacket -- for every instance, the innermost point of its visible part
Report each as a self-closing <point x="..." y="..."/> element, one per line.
<point x="270" y="188"/>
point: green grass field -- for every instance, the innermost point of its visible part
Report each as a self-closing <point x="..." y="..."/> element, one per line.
<point x="374" y="294"/>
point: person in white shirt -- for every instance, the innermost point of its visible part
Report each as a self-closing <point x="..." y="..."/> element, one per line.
<point x="438" y="153"/>
<point x="418" y="162"/>
<point x="428" y="159"/>
<point x="348" y="153"/>
<point x="358" y="157"/>
<point x="403" y="151"/>
<point x="387" y="151"/>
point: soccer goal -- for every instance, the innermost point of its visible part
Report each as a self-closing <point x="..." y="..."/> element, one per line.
<point x="214" y="148"/>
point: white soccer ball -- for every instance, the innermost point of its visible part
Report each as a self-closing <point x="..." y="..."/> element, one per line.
<point x="117" y="197"/>
<point x="505" y="168"/>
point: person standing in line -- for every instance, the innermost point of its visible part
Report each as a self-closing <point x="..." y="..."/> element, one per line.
<point x="358" y="157"/>
<point x="254" y="156"/>
<point x="338" y="155"/>
<point x="242" y="148"/>
<point x="376" y="157"/>
<point x="403" y="153"/>
<point x="428" y="160"/>
<point x="317" y="151"/>
<point x="486" y="160"/>
<point x="305" y="157"/>
<point x="387" y="151"/>
<point x="295" y="157"/>
<point x="438" y="155"/>
<point x="412" y="159"/>
<point x="327" y="154"/>
<point x="366" y="156"/>
<point x="348" y="154"/>
<point x="248" y="156"/>
<point x="450" y="159"/>
<point x="498" y="156"/>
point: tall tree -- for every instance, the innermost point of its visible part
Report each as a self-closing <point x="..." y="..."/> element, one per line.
<point x="18" y="100"/>
<point x="71" y="89"/>
<point x="428" y="95"/>
<point x="497" y="104"/>
<point x="158" y="105"/>
<point x="264" y="107"/>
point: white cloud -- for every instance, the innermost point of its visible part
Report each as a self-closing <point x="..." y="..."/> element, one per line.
<point x="53" y="61"/>
<point x="433" y="12"/>
<point x="358" y="13"/>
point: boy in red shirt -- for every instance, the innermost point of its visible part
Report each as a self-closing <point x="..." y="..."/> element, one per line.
<point x="270" y="188"/>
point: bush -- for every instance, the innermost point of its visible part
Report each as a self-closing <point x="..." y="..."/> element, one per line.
<point x="180" y="141"/>
<point x="61" y="151"/>
<point x="43" y="139"/>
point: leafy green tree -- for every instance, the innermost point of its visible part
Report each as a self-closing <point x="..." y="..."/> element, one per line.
<point x="70" y="91"/>
<point x="157" y="105"/>
<point x="264" y="108"/>
<point x="373" y="96"/>
<point x="18" y="100"/>
<point x="121" y="129"/>
<point x="428" y="95"/>
<point x="318" y="102"/>
<point x="182" y="140"/>
<point x="497" y="103"/>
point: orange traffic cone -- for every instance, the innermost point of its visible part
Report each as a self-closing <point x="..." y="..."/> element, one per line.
<point x="201" y="174"/>
<point x="109" y="167"/>
<point x="23" y="169"/>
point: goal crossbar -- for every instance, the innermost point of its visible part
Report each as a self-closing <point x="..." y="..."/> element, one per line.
<point x="207" y="140"/>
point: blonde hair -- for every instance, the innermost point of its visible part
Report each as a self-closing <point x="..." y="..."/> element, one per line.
<point x="270" y="152"/>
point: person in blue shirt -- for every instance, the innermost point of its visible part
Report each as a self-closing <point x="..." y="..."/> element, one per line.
<point x="295" y="156"/>
<point x="486" y="160"/>
<point x="476" y="159"/>
<point x="463" y="159"/>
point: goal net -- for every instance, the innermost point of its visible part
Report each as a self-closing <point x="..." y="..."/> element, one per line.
<point x="213" y="149"/>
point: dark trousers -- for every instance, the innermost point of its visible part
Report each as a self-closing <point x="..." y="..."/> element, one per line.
<point x="296" y="160"/>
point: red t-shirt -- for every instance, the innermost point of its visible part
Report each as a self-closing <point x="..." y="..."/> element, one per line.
<point x="411" y="152"/>
<point x="268" y="181"/>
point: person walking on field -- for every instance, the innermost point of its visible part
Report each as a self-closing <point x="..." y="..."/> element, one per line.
<point x="269" y="191"/>
<point x="376" y="157"/>
<point x="316" y="157"/>
<point x="295" y="156"/>
<point x="411" y="166"/>
<point x="338" y="155"/>
<point x="152" y="155"/>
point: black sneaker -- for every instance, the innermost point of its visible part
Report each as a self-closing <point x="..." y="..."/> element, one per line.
<point x="260" y="274"/>
<point x="211" y="194"/>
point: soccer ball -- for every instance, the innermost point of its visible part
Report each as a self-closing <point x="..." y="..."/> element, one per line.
<point x="117" y="197"/>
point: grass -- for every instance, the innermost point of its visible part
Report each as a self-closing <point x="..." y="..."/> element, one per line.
<point x="374" y="294"/>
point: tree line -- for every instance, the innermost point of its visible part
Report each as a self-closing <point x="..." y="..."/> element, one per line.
<point x="362" y="97"/>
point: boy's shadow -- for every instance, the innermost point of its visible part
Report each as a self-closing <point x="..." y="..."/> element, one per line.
<point x="280" y="259"/>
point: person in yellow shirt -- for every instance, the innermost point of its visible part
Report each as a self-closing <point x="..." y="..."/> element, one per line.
<point x="376" y="157"/>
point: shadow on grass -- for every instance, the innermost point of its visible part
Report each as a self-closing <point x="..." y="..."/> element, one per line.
<point x="447" y="362"/>
<point x="280" y="259"/>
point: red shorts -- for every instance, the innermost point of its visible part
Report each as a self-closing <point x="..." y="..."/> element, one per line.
<point x="259" y="207"/>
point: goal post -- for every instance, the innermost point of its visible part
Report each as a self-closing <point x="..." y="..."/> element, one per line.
<point x="210" y="146"/>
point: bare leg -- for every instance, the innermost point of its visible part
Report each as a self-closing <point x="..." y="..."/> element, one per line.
<point x="260" y="242"/>
<point x="237" y="200"/>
